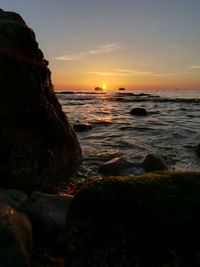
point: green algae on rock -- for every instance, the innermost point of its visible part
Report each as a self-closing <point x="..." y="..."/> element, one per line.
<point x="37" y="143"/>
<point x="149" y="220"/>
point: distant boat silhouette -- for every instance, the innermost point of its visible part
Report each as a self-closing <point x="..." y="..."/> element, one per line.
<point x="98" y="89"/>
<point x="122" y="89"/>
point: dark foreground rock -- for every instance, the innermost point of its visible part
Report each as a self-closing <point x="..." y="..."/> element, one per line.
<point x="15" y="238"/>
<point x="148" y="221"/>
<point x="37" y="143"/>
<point x="48" y="215"/>
<point x="153" y="162"/>
<point x="13" y="198"/>
<point x="139" y="112"/>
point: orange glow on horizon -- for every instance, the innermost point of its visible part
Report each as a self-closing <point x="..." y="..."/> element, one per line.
<point x="85" y="83"/>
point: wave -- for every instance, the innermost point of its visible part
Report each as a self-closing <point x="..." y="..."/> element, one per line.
<point x="155" y="99"/>
<point x="122" y="97"/>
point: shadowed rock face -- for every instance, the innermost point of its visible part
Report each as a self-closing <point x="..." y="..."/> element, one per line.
<point x="37" y="143"/>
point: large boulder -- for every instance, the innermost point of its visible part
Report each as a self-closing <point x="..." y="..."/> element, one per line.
<point x="150" y="220"/>
<point x="37" y="143"/>
<point x="15" y="238"/>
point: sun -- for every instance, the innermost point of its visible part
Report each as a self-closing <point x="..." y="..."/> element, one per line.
<point x="104" y="86"/>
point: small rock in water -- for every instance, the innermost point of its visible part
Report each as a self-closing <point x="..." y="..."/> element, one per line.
<point x="139" y="112"/>
<point x="114" y="166"/>
<point x="153" y="162"/>
<point x="197" y="149"/>
<point x="82" y="127"/>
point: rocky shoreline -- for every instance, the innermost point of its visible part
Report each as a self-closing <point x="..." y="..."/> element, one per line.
<point x="148" y="220"/>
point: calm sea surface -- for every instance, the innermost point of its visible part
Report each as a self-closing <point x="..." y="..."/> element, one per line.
<point x="172" y="128"/>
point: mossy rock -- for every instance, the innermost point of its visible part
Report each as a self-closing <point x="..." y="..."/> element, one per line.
<point x="145" y="221"/>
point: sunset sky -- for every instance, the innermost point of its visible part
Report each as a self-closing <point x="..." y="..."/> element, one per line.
<point x="136" y="44"/>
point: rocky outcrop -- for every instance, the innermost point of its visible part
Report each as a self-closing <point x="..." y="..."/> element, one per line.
<point x="37" y="143"/>
<point x="148" y="220"/>
<point x="15" y="238"/>
<point x="139" y="112"/>
<point x="153" y="162"/>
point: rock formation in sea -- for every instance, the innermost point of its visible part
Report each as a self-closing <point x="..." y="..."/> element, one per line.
<point x="139" y="112"/>
<point x="37" y="143"/>
<point x="153" y="162"/>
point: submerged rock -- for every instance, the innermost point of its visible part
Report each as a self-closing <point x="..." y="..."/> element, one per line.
<point x="114" y="166"/>
<point x="82" y="127"/>
<point x="37" y="143"/>
<point x="148" y="220"/>
<point x="102" y="122"/>
<point x="15" y="238"/>
<point x="139" y="112"/>
<point x="153" y="162"/>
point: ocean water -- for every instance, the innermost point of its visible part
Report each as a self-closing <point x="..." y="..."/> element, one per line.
<point x="171" y="130"/>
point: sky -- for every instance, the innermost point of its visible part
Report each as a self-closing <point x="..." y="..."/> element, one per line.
<point x="136" y="44"/>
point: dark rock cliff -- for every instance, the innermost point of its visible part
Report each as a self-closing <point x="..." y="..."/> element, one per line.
<point x="37" y="143"/>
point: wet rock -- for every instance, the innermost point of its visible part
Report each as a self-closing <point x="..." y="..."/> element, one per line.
<point x="15" y="238"/>
<point x="48" y="214"/>
<point x="37" y="143"/>
<point x="148" y="220"/>
<point x="82" y="127"/>
<point x="153" y="162"/>
<point x="115" y="166"/>
<point x="13" y="198"/>
<point x="102" y="122"/>
<point x="139" y="112"/>
<point x="197" y="149"/>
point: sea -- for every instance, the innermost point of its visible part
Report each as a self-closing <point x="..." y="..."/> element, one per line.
<point x="171" y="129"/>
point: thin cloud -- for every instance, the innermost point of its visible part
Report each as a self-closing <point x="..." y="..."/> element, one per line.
<point x="107" y="48"/>
<point x="122" y="72"/>
<point x="194" y="67"/>
<point x="125" y="72"/>
<point x="164" y="74"/>
<point x="99" y="73"/>
<point x="69" y="57"/>
<point x="133" y="72"/>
